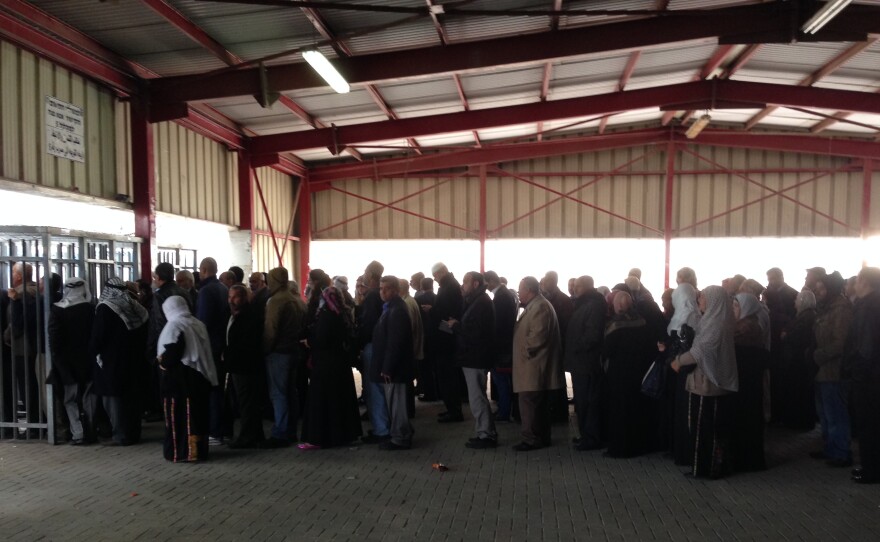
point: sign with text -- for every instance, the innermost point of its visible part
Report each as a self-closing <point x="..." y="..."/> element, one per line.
<point x="65" y="130"/>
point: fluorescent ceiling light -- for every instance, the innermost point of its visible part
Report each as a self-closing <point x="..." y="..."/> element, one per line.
<point x="824" y="15"/>
<point x="326" y="70"/>
<point x="698" y="126"/>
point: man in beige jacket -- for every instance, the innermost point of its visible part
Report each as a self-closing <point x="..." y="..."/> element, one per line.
<point x="537" y="364"/>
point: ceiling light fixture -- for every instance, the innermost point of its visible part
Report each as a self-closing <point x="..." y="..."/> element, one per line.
<point x="824" y="15"/>
<point x="698" y="126"/>
<point x="326" y="70"/>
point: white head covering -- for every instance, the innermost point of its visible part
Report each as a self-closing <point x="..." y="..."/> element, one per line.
<point x="713" y="344"/>
<point x="76" y="291"/>
<point x="805" y="300"/>
<point x="749" y="305"/>
<point x="684" y="300"/>
<point x="197" y="345"/>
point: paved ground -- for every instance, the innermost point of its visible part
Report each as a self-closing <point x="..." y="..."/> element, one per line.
<point x="361" y="493"/>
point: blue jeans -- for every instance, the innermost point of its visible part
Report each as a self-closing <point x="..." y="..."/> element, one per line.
<point x="504" y="388"/>
<point x="376" y="406"/>
<point x="279" y="371"/>
<point x="831" y="405"/>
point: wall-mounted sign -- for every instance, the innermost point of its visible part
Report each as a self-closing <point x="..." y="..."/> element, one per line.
<point x="65" y="130"/>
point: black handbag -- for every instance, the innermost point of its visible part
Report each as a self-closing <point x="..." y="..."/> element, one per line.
<point x="654" y="381"/>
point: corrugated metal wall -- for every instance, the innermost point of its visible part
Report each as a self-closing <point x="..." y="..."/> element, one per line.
<point x="25" y="81"/>
<point x="628" y="204"/>
<point x="194" y="175"/>
<point x="279" y="192"/>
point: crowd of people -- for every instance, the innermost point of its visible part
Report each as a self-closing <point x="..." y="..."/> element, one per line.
<point x="197" y="352"/>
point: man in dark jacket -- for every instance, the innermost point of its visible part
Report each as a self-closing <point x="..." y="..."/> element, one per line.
<point x="282" y="326"/>
<point x="583" y="348"/>
<point x="446" y="305"/>
<point x="393" y="363"/>
<point x="862" y="365"/>
<point x="779" y="298"/>
<point x="564" y="308"/>
<point x="475" y="354"/>
<point x="22" y="334"/>
<point x="373" y="392"/>
<point x="429" y="386"/>
<point x="213" y="311"/>
<point x="505" y="319"/>
<point x="242" y="358"/>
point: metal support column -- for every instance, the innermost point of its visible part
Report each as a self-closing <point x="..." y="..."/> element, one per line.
<point x="245" y="191"/>
<point x="867" y="181"/>
<point x="305" y="229"/>
<point x="483" y="218"/>
<point x="667" y="214"/>
<point x="144" y="183"/>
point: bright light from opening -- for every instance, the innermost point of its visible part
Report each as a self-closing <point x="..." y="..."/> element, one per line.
<point x="326" y="70"/>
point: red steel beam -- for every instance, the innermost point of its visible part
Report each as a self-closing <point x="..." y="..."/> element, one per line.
<point x="245" y="191"/>
<point x="483" y="221"/>
<point x="562" y="195"/>
<point x="382" y="206"/>
<point x="726" y="24"/>
<point x="192" y="31"/>
<point x="438" y="26"/>
<point x="818" y="75"/>
<point x="305" y="230"/>
<point x="295" y="206"/>
<point x="695" y="94"/>
<point x="773" y="192"/>
<point x="867" y="183"/>
<point x="464" y="103"/>
<point x="400" y="210"/>
<point x="487" y="155"/>
<point x="708" y="68"/>
<point x="268" y="218"/>
<point x="791" y="143"/>
<point x="625" y="76"/>
<point x="671" y="149"/>
<point x="143" y="173"/>
<point x="42" y="44"/>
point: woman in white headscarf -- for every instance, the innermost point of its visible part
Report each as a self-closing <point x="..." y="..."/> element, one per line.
<point x="681" y="329"/>
<point x="117" y="346"/>
<point x="70" y="327"/>
<point x="711" y="384"/>
<point x="187" y="375"/>
<point x="752" y="360"/>
<point x="799" y="406"/>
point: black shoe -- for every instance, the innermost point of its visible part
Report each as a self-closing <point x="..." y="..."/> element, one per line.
<point x="818" y="455"/>
<point x="428" y="399"/>
<point x="391" y="446"/>
<point x="856" y="471"/>
<point x="839" y="462"/>
<point x="375" y="439"/>
<point x="526" y="447"/>
<point x="481" y="444"/>
<point x="450" y="419"/>
<point x="78" y="442"/>
<point x="584" y="446"/>
<point x="862" y="479"/>
<point x="272" y="443"/>
<point x="576" y="440"/>
<point x="444" y="413"/>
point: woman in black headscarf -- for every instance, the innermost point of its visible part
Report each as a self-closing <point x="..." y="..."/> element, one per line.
<point x="331" y="417"/>
<point x="752" y="358"/>
<point x="797" y="343"/>
<point x="629" y="349"/>
<point x="711" y="384"/>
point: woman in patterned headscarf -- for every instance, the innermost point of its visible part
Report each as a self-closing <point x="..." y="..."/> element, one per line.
<point x="118" y="345"/>
<point x="711" y="383"/>
<point x="331" y="417"/>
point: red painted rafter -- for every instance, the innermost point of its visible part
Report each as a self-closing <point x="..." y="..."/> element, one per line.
<point x="695" y="95"/>
<point x="818" y="75"/>
<point x="725" y="24"/>
<point x="441" y="30"/>
<point x="625" y="75"/>
<point x="202" y="38"/>
<point x="557" y="147"/>
<point x="708" y="68"/>
<point x="464" y="103"/>
<point x="826" y="123"/>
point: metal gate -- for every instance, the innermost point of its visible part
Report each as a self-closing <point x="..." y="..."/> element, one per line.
<point x="28" y="256"/>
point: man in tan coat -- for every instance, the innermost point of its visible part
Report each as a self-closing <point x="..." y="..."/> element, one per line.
<point x="537" y="364"/>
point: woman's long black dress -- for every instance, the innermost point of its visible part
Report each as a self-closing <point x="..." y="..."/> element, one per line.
<point x="185" y="394"/>
<point x="332" y="417"/>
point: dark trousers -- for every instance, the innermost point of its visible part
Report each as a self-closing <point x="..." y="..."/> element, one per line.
<point x="587" y="406"/>
<point x="534" y="410"/>
<point x="250" y="390"/>
<point x="866" y="397"/>
<point x="28" y="389"/>
<point x="427" y="377"/>
<point x="451" y="384"/>
<point x="503" y="384"/>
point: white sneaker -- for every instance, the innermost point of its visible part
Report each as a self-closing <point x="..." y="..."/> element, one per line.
<point x="212" y="441"/>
